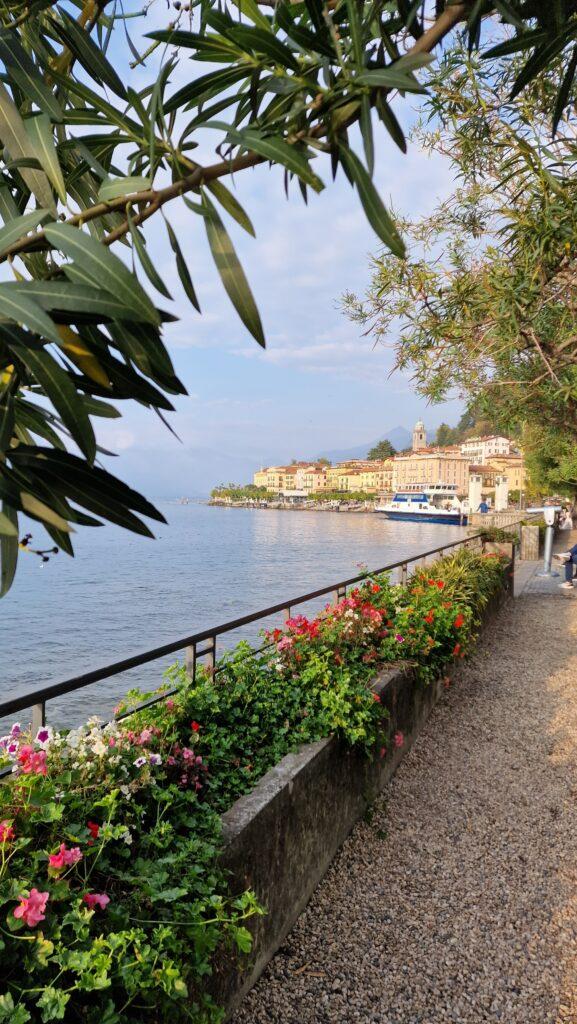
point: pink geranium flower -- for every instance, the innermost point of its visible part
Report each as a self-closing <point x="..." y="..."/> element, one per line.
<point x="31" y="908"/>
<point x="398" y="739"/>
<point x="32" y="762"/>
<point x="65" y="857"/>
<point x="96" y="899"/>
<point x="6" y="832"/>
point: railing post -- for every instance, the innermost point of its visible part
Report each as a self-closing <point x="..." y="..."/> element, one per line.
<point x="38" y="717"/>
<point x="211" y="655"/>
<point x="190" y="662"/>
<point x="286" y="613"/>
<point x="339" y="594"/>
<point x="404" y="574"/>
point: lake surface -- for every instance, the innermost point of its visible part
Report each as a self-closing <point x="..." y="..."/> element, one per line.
<point x="123" y="594"/>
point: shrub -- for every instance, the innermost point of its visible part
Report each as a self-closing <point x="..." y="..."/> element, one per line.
<point x="113" y="901"/>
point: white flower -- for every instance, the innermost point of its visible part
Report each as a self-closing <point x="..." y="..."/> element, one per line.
<point x="127" y="837"/>
<point x="99" y="748"/>
<point x="139" y="762"/>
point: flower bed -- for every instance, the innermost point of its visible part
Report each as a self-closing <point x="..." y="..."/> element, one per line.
<point x="113" y="903"/>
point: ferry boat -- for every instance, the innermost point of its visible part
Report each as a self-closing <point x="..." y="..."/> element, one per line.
<point x="430" y="503"/>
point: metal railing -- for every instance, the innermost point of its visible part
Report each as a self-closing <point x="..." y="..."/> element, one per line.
<point x="202" y="645"/>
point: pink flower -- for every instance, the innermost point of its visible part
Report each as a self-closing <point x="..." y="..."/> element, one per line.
<point x="6" y="832"/>
<point x="32" y="762"/>
<point x="284" y="644"/>
<point x="16" y="729"/>
<point x="145" y="737"/>
<point x="32" y="908"/>
<point x="398" y="739"/>
<point x="400" y="639"/>
<point x="96" y="899"/>
<point x="170" y="705"/>
<point x="65" y="857"/>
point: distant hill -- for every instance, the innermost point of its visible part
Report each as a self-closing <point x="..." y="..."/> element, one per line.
<point x="399" y="437"/>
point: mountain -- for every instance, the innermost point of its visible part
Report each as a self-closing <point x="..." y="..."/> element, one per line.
<point x="399" y="437"/>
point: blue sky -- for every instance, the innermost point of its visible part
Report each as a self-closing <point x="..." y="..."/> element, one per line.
<point x="320" y="385"/>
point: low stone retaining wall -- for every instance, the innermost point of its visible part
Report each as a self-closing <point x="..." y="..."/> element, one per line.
<point x="281" y="838"/>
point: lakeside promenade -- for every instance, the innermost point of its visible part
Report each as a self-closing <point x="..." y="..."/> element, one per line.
<point x="457" y="901"/>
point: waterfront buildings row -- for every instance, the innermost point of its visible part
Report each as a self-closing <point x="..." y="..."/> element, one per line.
<point x="488" y="457"/>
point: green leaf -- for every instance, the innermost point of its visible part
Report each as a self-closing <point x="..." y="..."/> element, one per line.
<point x="88" y="53"/>
<point x="114" y="187"/>
<point x="59" y="389"/>
<point x="39" y="510"/>
<point x="15" y="229"/>
<point x="80" y="300"/>
<point x="366" y="127"/>
<point x="41" y="136"/>
<point x="522" y="42"/>
<point x="377" y="215"/>
<point x="7" y="527"/>
<point x="16" y="140"/>
<point x="387" y="116"/>
<point x="389" y="78"/>
<point x="564" y="90"/>
<point x="232" y="274"/>
<point x="181" y="266"/>
<point x="230" y="204"/>
<point x="145" y="260"/>
<point x="276" y="150"/>
<point x="17" y="306"/>
<point x="355" y="29"/>
<point x="105" y="269"/>
<point x="8" y="549"/>
<point x="26" y="75"/>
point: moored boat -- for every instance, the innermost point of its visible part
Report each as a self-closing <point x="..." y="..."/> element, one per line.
<point x="432" y="503"/>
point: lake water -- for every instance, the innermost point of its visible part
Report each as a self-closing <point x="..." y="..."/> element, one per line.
<point x="122" y="594"/>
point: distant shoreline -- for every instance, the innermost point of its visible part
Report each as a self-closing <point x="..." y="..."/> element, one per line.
<point x="275" y="506"/>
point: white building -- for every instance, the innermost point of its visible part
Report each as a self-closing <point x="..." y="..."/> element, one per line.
<point x="480" y="449"/>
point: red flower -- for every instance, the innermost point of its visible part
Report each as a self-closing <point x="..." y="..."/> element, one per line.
<point x="194" y="726"/>
<point x="440" y="584"/>
<point x="456" y="650"/>
<point x="459" y="621"/>
<point x="398" y="739"/>
<point x="376" y="698"/>
<point x="93" y="828"/>
<point x="432" y="583"/>
<point x="96" y="899"/>
<point x="6" y="832"/>
<point x="31" y="908"/>
<point x="375" y="588"/>
<point x="430" y="618"/>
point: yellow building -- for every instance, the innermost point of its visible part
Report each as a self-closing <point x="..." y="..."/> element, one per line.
<point x="314" y="479"/>
<point x="432" y="466"/>
<point x="378" y="478"/>
<point x="513" y="467"/>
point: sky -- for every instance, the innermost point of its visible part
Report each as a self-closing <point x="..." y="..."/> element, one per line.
<point x="320" y="384"/>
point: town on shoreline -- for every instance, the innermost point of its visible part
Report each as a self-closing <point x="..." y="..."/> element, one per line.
<point x="359" y="485"/>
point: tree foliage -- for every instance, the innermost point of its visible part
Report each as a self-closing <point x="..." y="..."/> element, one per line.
<point x="88" y="159"/>
<point x="487" y="297"/>
<point x="383" y="450"/>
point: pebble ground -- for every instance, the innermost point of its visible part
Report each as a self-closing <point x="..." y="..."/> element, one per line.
<point x="457" y="900"/>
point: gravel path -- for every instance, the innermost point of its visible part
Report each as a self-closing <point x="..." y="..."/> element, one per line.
<point x="457" y="901"/>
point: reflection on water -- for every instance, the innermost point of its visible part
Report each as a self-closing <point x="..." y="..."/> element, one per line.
<point x="123" y="594"/>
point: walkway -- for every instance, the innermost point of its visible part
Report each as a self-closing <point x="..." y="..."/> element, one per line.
<point x="457" y="901"/>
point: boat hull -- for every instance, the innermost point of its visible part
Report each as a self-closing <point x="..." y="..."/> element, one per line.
<point x="450" y="518"/>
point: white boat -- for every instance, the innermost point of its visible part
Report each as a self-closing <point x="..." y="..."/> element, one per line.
<point x="427" y="503"/>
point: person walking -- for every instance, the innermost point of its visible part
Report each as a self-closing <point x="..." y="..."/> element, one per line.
<point x="569" y="559"/>
<point x="483" y="507"/>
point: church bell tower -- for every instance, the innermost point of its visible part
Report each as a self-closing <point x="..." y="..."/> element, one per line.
<point x="419" y="436"/>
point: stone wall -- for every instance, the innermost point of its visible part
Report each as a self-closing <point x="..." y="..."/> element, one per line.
<point x="281" y="838"/>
